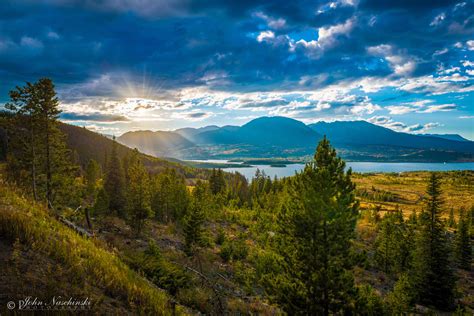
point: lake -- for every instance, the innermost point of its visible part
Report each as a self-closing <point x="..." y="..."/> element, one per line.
<point x="363" y="167"/>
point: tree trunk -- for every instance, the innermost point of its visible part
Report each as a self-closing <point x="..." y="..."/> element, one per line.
<point x="48" y="165"/>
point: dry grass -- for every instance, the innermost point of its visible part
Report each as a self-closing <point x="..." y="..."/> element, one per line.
<point x="35" y="227"/>
<point x="410" y="187"/>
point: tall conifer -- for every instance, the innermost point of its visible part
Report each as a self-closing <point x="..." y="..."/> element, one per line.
<point x="316" y="226"/>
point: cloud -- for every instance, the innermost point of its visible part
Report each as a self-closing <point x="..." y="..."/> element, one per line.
<point x="368" y="108"/>
<point x="439" y="108"/>
<point x="271" y="22"/>
<point x="402" y="65"/>
<point x="423" y="106"/>
<point x="438" y="19"/>
<point x="265" y="36"/>
<point x="146" y="60"/>
<point x="96" y="117"/>
<point x="327" y="38"/>
<point x="31" y="42"/>
<point x="388" y="122"/>
<point x="53" y="35"/>
<point x="470" y="45"/>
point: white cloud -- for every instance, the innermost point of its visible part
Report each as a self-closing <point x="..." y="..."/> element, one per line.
<point x="439" y="108"/>
<point x="424" y="106"/>
<point x="327" y="38"/>
<point x="400" y="109"/>
<point x="265" y="35"/>
<point x="470" y="72"/>
<point x="450" y="70"/>
<point x="361" y="109"/>
<point x="470" y="45"/>
<point x="438" y="19"/>
<point x="440" y="52"/>
<point x="271" y="22"/>
<point x="401" y="64"/>
<point x="388" y="122"/>
<point x="467" y="63"/>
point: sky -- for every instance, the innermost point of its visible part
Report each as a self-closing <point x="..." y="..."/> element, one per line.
<point x="121" y="65"/>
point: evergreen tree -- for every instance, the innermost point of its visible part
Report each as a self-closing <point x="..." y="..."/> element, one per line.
<point x="91" y="177"/>
<point x="138" y="194"/>
<point x="391" y="245"/>
<point x="463" y="243"/>
<point x="193" y="227"/>
<point x="170" y="196"/>
<point x="217" y="181"/>
<point x="432" y="274"/>
<point x="115" y="183"/>
<point x="315" y="227"/>
<point x="451" y="220"/>
<point x="39" y="153"/>
<point x="101" y="205"/>
<point x="401" y="298"/>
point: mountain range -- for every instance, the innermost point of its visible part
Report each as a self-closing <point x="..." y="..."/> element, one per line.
<point x="272" y="137"/>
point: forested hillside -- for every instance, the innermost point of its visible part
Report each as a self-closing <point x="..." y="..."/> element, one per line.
<point x="325" y="241"/>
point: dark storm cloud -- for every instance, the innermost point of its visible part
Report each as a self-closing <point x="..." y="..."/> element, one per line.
<point x="96" y="117"/>
<point x="179" y="43"/>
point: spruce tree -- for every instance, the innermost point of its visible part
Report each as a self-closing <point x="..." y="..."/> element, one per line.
<point x="170" y="197"/>
<point x="193" y="227"/>
<point x="92" y="176"/>
<point x="451" y="220"/>
<point x="39" y="151"/>
<point x="115" y="183"/>
<point x="432" y="273"/>
<point x="463" y="243"/>
<point x="316" y="225"/>
<point x="392" y="252"/>
<point x="138" y="194"/>
<point x="101" y="205"/>
<point x="217" y="181"/>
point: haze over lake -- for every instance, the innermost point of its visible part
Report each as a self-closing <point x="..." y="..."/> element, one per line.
<point x="362" y="167"/>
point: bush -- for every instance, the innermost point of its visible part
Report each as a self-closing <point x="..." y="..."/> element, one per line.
<point x="369" y="302"/>
<point x="161" y="272"/>
<point x="220" y="238"/>
<point x="234" y="250"/>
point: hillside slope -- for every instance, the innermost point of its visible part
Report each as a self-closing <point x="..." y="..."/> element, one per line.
<point x="264" y="131"/>
<point x="92" y="270"/>
<point x="365" y="133"/>
<point x="90" y="145"/>
<point x="160" y="143"/>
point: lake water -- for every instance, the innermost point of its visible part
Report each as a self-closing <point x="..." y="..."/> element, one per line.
<point x="363" y="167"/>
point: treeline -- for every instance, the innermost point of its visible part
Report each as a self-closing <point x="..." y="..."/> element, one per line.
<point x="304" y="227"/>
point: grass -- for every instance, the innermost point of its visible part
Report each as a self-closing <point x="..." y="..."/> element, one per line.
<point x="34" y="226"/>
<point x="407" y="190"/>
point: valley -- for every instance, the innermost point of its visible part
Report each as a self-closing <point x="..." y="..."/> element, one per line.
<point x="288" y="139"/>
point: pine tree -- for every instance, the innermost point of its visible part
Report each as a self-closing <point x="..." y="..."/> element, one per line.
<point x="138" y="194"/>
<point x="170" y="197"/>
<point x="101" y="205"/>
<point x="115" y="183"/>
<point x="463" y="243"/>
<point x="193" y="227"/>
<point x="401" y="298"/>
<point x="451" y="220"/>
<point x="217" y="181"/>
<point x="41" y="155"/>
<point x="315" y="227"/>
<point x="392" y="252"/>
<point x="432" y="274"/>
<point x="91" y="177"/>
